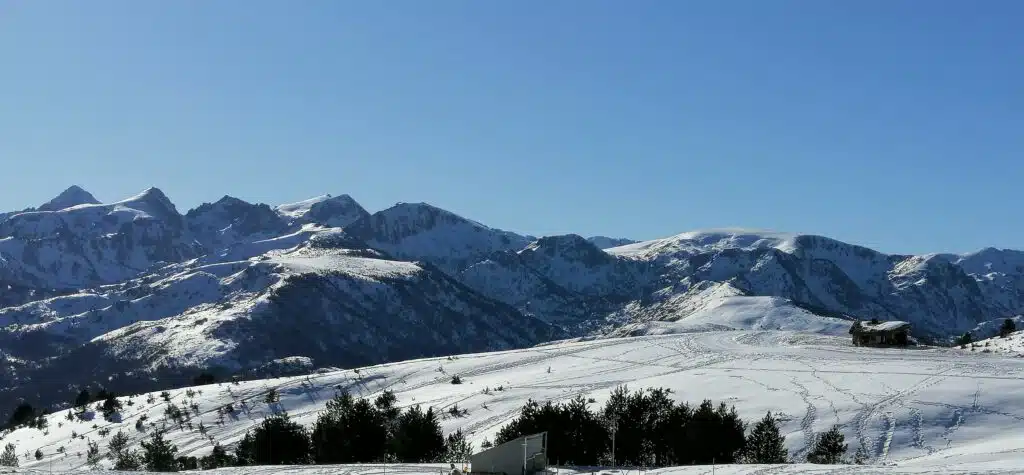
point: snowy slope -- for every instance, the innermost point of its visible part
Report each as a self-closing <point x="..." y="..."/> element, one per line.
<point x="921" y="409"/>
<point x="1012" y="345"/>
<point x="721" y="307"/>
<point x="940" y="295"/>
<point x="320" y="300"/>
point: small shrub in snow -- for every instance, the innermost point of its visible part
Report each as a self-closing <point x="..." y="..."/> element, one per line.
<point x="272" y="396"/>
<point x="92" y="456"/>
<point x="456" y="379"/>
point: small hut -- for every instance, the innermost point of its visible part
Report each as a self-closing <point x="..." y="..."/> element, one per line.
<point x="876" y="333"/>
<point x="523" y="456"/>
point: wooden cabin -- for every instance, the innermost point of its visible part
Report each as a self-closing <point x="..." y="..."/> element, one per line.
<point x="876" y="333"/>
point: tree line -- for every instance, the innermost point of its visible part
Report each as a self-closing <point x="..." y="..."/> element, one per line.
<point x="347" y="431"/>
<point x="652" y="430"/>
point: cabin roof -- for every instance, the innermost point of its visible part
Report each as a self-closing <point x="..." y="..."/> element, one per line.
<point x="889" y="326"/>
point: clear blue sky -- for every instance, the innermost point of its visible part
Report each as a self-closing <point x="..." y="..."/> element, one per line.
<point x="894" y="124"/>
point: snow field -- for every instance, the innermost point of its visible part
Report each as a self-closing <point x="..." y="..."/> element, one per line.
<point x="912" y="408"/>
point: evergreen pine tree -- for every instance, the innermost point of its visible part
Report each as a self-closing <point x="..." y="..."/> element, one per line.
<point x="187" y="463"/>
<point x="118" y="443"/>
<point x="110" y="406"/>
<point x="204" y="378"/>
<point x="245" y="451"/>
<point x="457" y="448"/>
<point x="92" y="455"/>
<point x="22" y="414"/>
<point x="702" y="435"/>
<point x="351" y="431"/>
<point x="1008" y="327"/>
<point x="385" y="403"/>
<point x="39" y="454"/>
<point x="829" y="447"/>
<point x="277" y="440"/>
<point x="158" y="455"/>
<point x="765" y="444"/>
<point x="129" y="460"/>
<point x="418" y="437"/>
<point x="861" y="457"/>
<point x="83" y="398"/>
<point x="272" y="396"/>
<point x="218" y="458"/>
<point x="10" y="456"/>
<point x="965" y="339"/>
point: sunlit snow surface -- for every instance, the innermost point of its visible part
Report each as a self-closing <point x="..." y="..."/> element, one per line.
<point x="921" y="410"/>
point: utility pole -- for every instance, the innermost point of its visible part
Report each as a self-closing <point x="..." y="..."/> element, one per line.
<point x="524" y="455"/>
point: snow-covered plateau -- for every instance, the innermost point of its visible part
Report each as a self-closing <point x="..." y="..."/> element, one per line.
<point x="922" y="410"/>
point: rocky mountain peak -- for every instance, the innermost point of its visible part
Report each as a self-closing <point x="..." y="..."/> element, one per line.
<point x="568" y="246"/>
<point x="73" y="196"/>
<point x="230" y="220"/>
<point x="155" y="202"/>
<point x="337" y="211"/>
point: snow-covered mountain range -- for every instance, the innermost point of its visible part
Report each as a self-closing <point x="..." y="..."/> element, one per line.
<point x="131" y="291"/>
